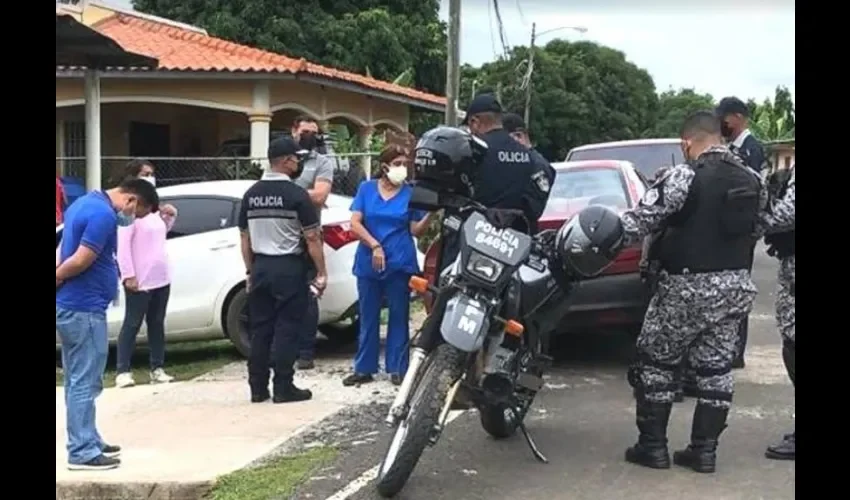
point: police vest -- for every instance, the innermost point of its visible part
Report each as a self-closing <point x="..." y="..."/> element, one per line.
<point x="714" y="229"/>
<point x="781" y="245"/>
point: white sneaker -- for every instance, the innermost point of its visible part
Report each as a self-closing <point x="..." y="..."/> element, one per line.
<point x="159" y="376"/>
<point x="123" y="380"/>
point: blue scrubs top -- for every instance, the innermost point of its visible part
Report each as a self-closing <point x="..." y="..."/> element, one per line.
<point x="388" y="221"/>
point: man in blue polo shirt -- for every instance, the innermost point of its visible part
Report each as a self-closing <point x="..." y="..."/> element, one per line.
<point x="86" y="282"/>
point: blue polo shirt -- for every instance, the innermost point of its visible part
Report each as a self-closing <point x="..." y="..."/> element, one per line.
<point x="388" y="221"/>
<point x="92" y="222"/>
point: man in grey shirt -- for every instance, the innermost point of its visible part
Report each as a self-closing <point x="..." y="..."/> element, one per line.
<point x="317" y="178"/>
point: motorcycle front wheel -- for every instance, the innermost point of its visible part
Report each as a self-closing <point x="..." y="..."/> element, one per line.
<point x="414" y="432"/>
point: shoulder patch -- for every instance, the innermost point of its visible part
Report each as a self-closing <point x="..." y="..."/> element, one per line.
<point x="542" y="182"/>
<point x="651" y="197"/>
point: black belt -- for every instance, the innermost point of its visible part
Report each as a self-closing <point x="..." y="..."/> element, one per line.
<point x="699" y="270"/>
<point x="279" y="256"/>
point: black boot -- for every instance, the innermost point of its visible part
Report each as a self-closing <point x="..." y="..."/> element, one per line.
<point x="701" y="454"/>
<point x="291" y="394"/>
<point x="784" y="450"/>
<point x="651" y="448"/>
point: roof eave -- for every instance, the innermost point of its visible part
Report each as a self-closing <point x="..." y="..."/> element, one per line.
<point x="141" y="72"/>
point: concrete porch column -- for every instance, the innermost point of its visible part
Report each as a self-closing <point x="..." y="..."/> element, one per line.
<point x="364" y="136"/>
<point x="260" y="119"/>
<point x="92" y="116"/>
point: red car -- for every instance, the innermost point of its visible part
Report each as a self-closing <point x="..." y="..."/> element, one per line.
<point x="616" y="299"/>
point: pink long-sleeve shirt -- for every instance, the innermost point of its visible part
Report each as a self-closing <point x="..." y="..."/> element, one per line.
<point x="141" y="251"/>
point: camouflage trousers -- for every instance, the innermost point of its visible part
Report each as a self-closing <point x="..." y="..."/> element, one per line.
<point x="785" y="316"/>
<point x="694" y="315"/>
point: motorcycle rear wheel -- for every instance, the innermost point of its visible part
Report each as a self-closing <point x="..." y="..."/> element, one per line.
<point x="414" y="432"/>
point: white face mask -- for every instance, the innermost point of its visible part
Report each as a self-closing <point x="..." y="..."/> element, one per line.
<point x="150" y="179"/>
<point x="397" y="175"/>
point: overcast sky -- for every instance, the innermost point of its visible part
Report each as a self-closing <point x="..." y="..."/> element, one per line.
<point x="723" y="47"/>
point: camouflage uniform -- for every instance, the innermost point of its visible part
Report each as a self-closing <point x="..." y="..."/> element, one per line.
<point x="778" y="218"/>
<point x="694" y="314"/>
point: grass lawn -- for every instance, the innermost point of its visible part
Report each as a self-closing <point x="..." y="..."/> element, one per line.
<point x="276" y="478"/>
<point x="182" y="360"/>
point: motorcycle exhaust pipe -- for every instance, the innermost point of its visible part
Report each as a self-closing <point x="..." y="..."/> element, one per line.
<point x="403" y="395"/>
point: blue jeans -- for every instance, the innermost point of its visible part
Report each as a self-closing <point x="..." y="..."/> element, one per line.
<point x="85" y="347"/>
<point x="393" y="288"/>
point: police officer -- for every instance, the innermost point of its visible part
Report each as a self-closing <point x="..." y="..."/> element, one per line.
<point x="734" y="115"/>
<point x="317" y="178"/>
<point x="508" y="177"/>
<point x="275" y="216"/>
<point x="708" y="209"/>
<point x="778" y="223"/>
<point x="515" y="125"/>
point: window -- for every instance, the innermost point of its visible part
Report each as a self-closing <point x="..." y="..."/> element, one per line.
<point x="200" y="215"/>
<point x="647" y="158"/>
<point x="787" y="162"/>
<point x="74" y="148"/>
<point x="575" y="189"/>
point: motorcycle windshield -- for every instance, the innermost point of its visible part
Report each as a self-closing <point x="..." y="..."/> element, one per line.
<point x="465" y="323"/>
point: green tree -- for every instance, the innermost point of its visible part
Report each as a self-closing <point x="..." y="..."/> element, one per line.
<point x="674" y="106"/>
<point x="582" y="92"/>
<point x="775" y="121"/>
<point x="384" y="37"/>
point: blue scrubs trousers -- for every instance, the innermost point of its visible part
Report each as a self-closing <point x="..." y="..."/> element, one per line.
<point x="394" y="288"/>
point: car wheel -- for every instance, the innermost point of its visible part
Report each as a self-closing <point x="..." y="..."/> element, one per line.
<point x="341" y="333"/>
<point x="236" y="322"/>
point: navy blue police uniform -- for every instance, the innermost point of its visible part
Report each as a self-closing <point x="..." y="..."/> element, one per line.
<point x="275" y="212"/>
<point x="746" y="147"/>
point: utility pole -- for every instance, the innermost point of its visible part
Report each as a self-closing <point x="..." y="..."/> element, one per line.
<point x="530" y="71"/>
<point x="453" y="64"/>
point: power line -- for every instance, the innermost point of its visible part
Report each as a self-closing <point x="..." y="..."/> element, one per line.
<point x="521" y="14"/>
<point x="490" y="26"/>
<point x="502" y="36"/>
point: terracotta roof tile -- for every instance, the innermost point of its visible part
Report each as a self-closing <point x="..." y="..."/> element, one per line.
<point x="183" y="50"/>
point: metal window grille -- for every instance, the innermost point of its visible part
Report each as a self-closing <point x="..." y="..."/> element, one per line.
<point x="74" y="141"/>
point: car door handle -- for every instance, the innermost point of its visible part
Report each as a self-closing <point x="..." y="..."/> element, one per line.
<point x="221" y="245"/>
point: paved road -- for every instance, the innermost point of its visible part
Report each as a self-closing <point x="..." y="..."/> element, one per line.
<point x="583" y="422"/>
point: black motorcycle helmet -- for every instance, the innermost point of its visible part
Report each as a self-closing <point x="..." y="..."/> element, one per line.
<point x="590" y="241"/>
<point x="447" y="158"/>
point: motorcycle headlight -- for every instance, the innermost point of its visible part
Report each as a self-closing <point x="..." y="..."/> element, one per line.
<point x="484" y="267"/>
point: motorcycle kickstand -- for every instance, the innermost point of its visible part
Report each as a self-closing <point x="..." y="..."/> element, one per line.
<point x="528" y="439"/>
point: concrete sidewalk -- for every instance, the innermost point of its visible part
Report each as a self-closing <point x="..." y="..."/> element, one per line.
<point x="178" y="438"/>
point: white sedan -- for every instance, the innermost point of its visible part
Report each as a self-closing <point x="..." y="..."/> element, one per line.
<point x="208" y="277"/>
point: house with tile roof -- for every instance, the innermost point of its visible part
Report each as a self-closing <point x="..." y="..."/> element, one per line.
<point x="206" y="91"/>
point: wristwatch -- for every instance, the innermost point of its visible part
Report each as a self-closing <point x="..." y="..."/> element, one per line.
<point x="376" y="246"/>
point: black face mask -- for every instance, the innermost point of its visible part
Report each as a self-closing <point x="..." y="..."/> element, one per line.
<point x="725" y="131"/>
<point x="299" y="169"/>
<point x="308" y="141"/>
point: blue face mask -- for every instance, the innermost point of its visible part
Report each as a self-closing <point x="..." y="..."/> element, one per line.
<point x="125" y="220"/>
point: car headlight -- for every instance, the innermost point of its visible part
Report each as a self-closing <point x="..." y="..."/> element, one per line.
<point x="484" y="267"/>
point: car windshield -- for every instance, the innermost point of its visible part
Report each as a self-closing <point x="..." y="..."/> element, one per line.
<point x="575" y="189"/>
<point x="647" y="158"/>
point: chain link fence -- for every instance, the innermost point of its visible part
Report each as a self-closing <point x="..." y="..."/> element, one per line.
<point x="350" y="169"/>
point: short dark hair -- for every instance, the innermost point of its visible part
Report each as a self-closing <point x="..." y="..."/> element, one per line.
<point x="134" y="167"/>
<point x="700" y="124"/>
<point x="144" y="191"/>
<point x="301" y="119"/>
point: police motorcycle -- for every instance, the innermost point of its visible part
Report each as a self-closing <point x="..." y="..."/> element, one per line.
<point x="485" y="342"/>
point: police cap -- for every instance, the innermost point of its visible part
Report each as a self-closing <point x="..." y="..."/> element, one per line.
<point x="283" y="146"/>
<point x="483" y="103"/>
<point x="731" y="106"/>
